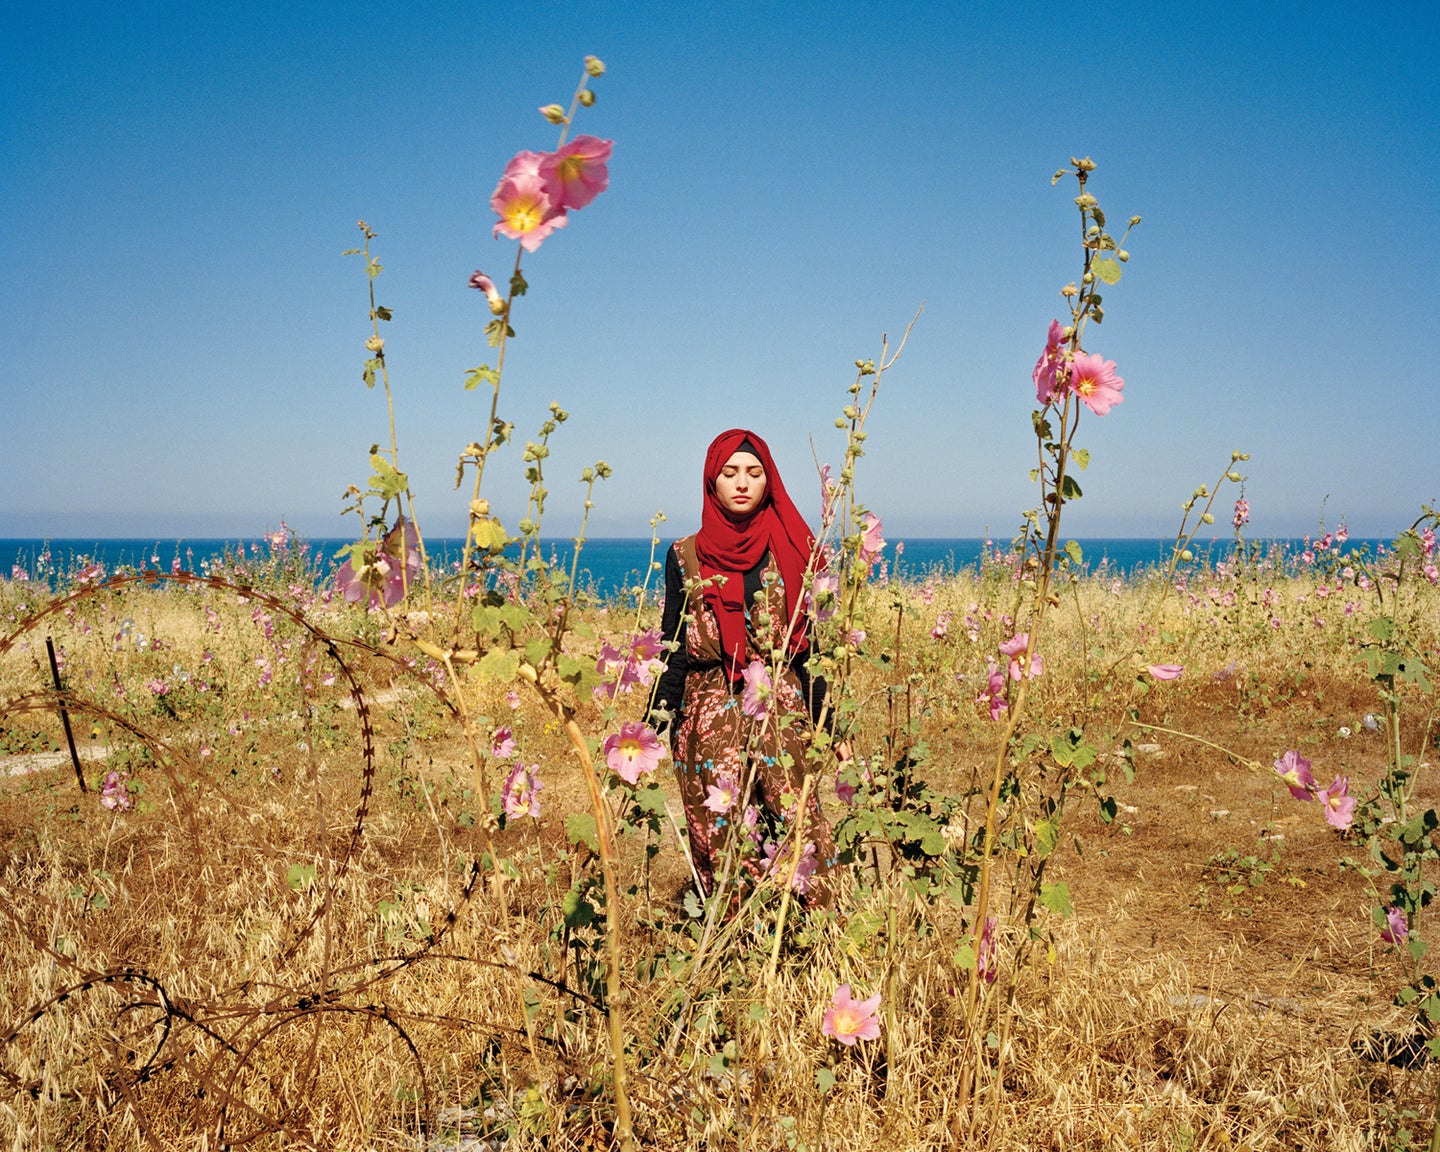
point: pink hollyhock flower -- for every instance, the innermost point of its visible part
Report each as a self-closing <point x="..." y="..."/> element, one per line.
<point x="755" y="699"/>
<point x="524" y="164"/>
<point x="1016" y="648"/>
<point x="1048" y="366"/>
<point x="1339" y="804"/>
<point x="577" y="173"/>
<point x="871" y="542"/>
<point x="1166" y="671"/>
<point x="502" y="745"/>
<point x="492" y="296"/>
<point x="849" y="1020"/>
<point x="723" y="796"/>
<point x="986" y="966"/>
<point x="1095" y="382"/>
<point x="994" y="694"/>
<point x="521" y="795"/>
<point x="115" y="796"/>
<point x="845" y="792"/>
<point x="385" y="579"/>
<point x="633" y="750"/>
<point x="525" y="209"/>
<point x="620" y="673"/>
<point x="1294" y="769"/>
<point x="825" y="592"/>
<point x="827" y="493"/>
<point x="512" y="698"/>
<point x="1396" y="931"/>
<point x="645" y="656"/>
<point x="1242" y="513"/>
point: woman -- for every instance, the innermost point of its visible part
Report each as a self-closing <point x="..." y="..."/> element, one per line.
<point x="734" y="594"/>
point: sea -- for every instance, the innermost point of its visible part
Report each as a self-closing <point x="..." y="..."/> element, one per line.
<point x="609" y="567"/>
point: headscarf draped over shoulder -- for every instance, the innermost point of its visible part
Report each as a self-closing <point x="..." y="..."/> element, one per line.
<point x="730" y="545"/>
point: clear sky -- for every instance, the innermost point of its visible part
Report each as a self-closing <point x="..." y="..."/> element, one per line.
<point x="181" y="341"/>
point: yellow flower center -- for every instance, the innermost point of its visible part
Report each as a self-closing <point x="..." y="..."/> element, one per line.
<point x="847" y="1021"/>
<point x="571" y="169"/>
<point x="629" y="748"/>
<point x="524" y="215"/>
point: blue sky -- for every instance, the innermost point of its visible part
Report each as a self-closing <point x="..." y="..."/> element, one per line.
<point x="181" y="340"/>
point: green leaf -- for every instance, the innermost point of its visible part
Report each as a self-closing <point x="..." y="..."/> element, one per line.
<point x="481" y="375"/>
<point x="1107" y="270"/>
<point x="537" y="651"/>
<point x="1069" y="490"/>
<point x="300" y="876"/>
<point x="388" y="481"/>
<point x="488" y="533"/>
<point x="1081" y="456"/>
<point x="964" y="958"/>
<point x="580" y="829"/>
<point x="499" y="664"/>
<point x="1056" y="898"/>
<point x="1382" y="629"/>
<point x="1075" y="552"/>
<point x="758" y="1012"/>
<point x="824" y="1080"/>
<point x="651" y="799"/>
<point x="1047" y="835"/>
<point x="578" y="912"/>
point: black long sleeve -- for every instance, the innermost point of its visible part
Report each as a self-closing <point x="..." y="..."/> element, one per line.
<point x="670" y="694"/>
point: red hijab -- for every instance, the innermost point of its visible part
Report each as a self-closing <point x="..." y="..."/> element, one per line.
<point x="730" y="544"/>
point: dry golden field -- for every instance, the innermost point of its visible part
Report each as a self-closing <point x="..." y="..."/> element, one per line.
<point x="287" y="940"/>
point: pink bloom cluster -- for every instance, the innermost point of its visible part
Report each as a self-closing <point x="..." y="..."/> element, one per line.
<point x="872" y="543"/>
<point x="385" y="579"/>
<point x="538" y="189"/>
<point x="521" y="795"/>
<point x="115" y="796"/>
<point x="634" y="749"/>
<point x="1242" y="513"/>
<point x="1060" y="372"/>
<point x="1018" y="648"/>
<point x="994" y="694"/>
<point x="1339" y="805"/>
<point x="986" y="966"/>
<point x="755" y="698"/>
<point x="779" y="859"/>
<point x="622" y="670"/>
<point x="1396" y="930"/>
<point x="848" y="1020"/>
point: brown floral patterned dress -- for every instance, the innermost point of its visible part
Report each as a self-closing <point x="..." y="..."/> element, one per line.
<point x="717" y="746"/>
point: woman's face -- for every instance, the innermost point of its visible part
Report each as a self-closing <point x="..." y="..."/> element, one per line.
<point x="740" y="486"/>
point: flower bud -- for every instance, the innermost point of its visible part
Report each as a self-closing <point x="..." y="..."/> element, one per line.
<point x="479" y="508"/>
<point x="1070" y="290"/>
<point x="1134" y="220"/>
<point x="1085" y="165"/>
<point x="1233" y="477"/>
<point x="1085" y="200"/>
<point x="1123" y="256"/>
<point x="553" y="113"/>
<point x="1186" y="554"/>
<point x="840" y="422"/>
<point x="587" y="97"/>
<point x="1088" y="278"/>
<point x="594" y="66"/>
<point x="1208" y="517"/>
<point x="375" y="344"/>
